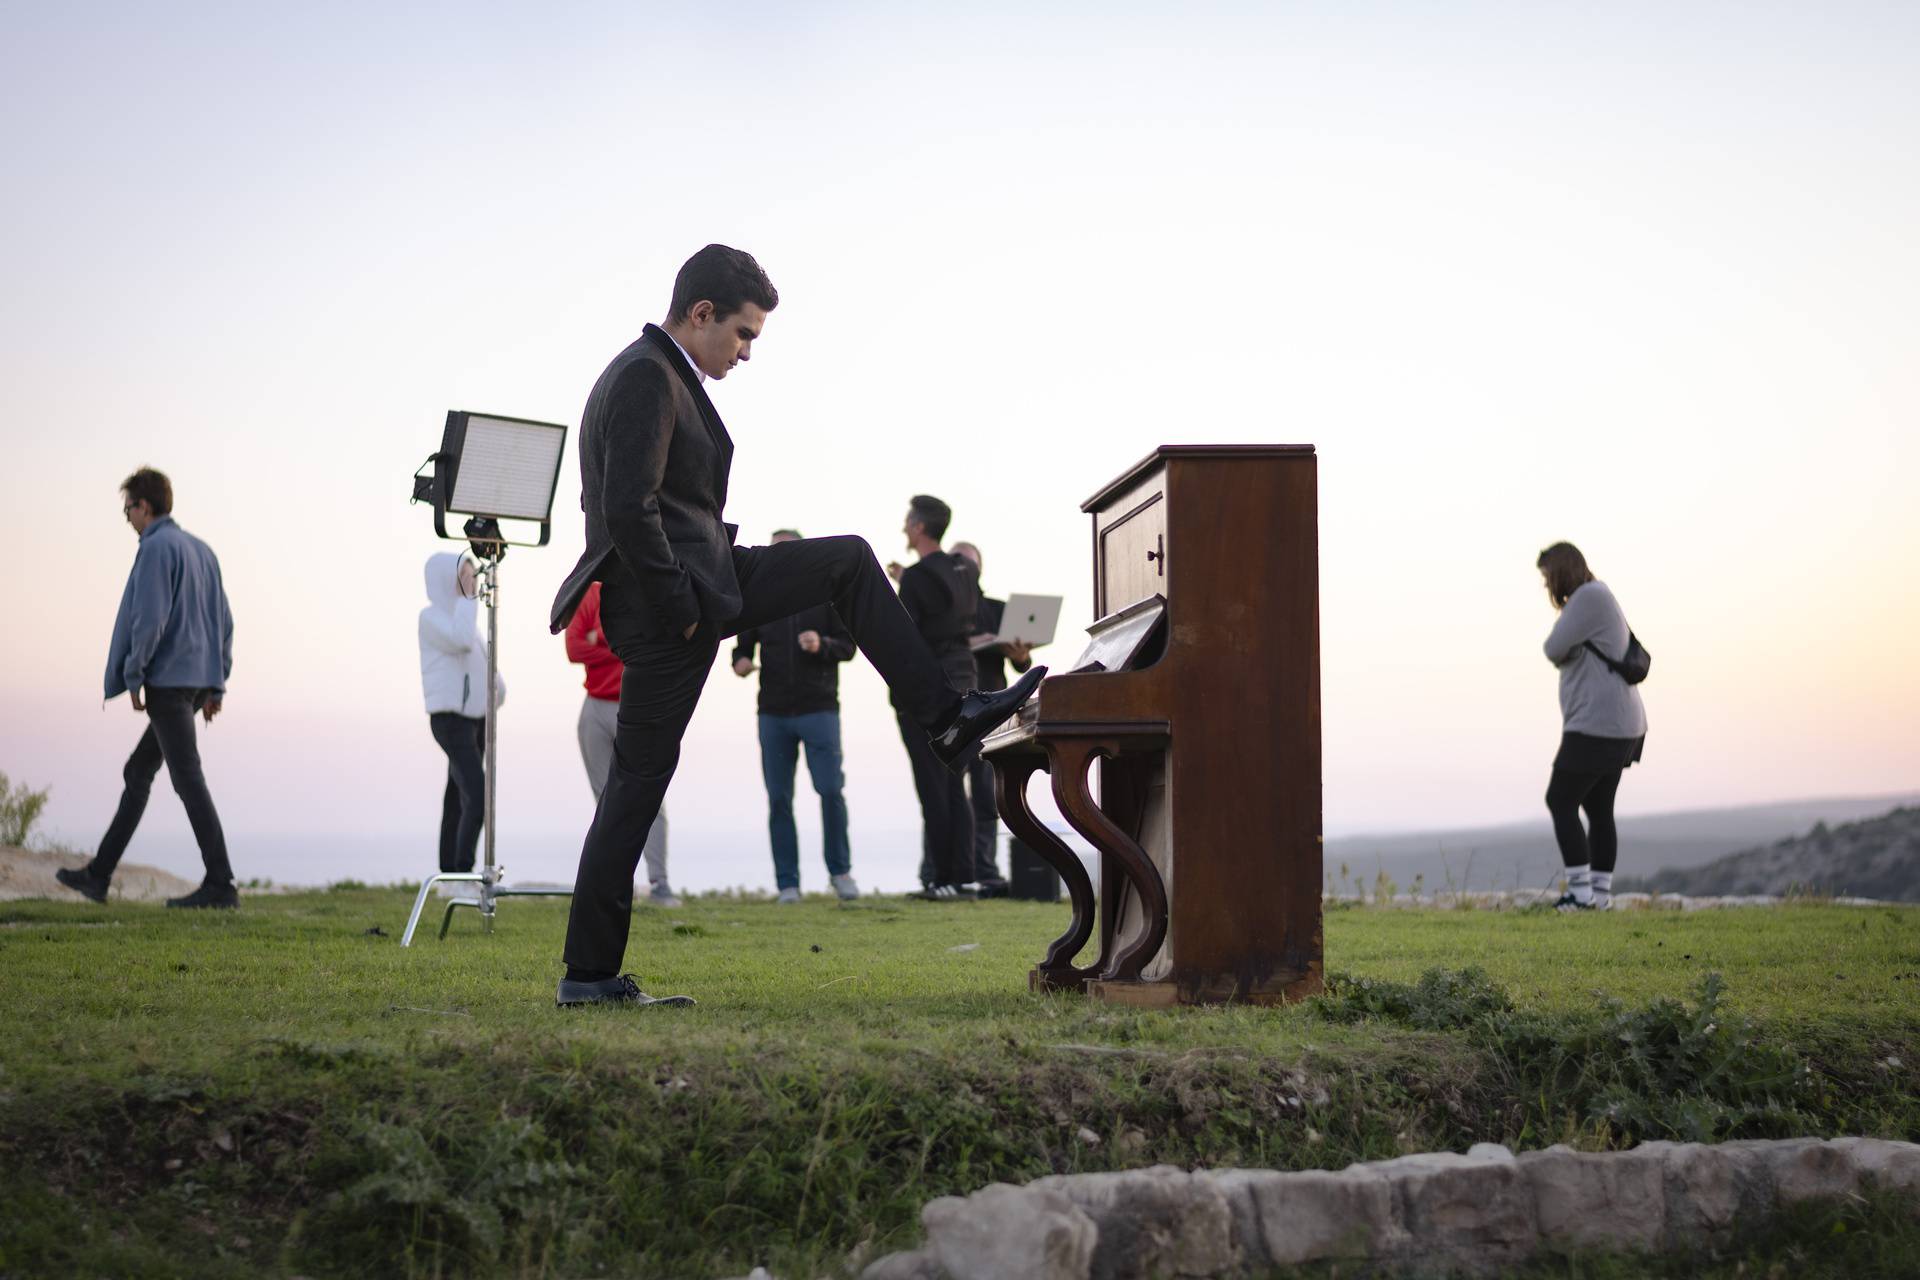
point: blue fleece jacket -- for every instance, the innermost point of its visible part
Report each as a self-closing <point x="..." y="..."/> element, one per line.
<point x="174" y="630"/>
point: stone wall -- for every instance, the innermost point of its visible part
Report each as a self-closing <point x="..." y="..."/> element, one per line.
<point x="1421" y="1214"/>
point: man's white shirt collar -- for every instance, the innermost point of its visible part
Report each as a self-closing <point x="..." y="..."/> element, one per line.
<point x="692" y="364"/>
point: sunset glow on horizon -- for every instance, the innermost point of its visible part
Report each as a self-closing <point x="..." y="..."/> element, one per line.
<point x="1639" y="278"/>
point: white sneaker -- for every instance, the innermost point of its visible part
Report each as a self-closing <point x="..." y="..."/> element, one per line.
<point x="662" y="895"/>
<point x="845" y="887"/>
<point x="789" y="897"/>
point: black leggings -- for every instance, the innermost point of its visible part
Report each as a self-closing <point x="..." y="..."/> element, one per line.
<point x="464" y="805"/>
<point x="1569" y="792"/>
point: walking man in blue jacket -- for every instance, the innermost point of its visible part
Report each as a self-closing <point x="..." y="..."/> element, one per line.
<point x="171" y="653"/>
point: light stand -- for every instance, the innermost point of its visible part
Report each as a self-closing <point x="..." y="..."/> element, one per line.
<point x="508" y="461"/>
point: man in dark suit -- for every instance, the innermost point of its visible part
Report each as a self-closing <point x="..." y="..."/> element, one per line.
<point x="654" y="461"/>
<point x="990" y="677"/>
<point x="941" y="594"/>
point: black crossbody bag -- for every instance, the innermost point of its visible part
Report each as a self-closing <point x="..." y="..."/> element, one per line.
<point x="1633" y="665"/>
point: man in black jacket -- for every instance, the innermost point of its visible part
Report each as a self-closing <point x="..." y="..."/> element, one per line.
<point x="990" y="666"/>
<point x="799" y="669"/>
<point x="654" y="461"/>
<point x="942" y="594"/>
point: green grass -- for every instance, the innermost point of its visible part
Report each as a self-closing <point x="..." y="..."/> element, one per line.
<point x="278" y="1091"/>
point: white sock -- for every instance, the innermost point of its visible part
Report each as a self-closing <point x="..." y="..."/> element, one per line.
<point x="1603" y="886"/>
<point x="1580" y="883"/>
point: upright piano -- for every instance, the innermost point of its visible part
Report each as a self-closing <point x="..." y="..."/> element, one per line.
<point x="1184" y="744"/>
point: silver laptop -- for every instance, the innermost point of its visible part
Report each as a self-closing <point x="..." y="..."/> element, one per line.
<point x="1027" y="620"/>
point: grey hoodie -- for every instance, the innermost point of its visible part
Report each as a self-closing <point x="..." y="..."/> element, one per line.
<point x="1593" y="699"/>
<point x="453" y="657"/>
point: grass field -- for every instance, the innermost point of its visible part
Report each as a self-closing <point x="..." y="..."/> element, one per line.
<point x="281" y="1091"/>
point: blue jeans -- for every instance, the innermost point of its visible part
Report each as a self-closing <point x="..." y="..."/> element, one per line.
<point x="781" y="738"/>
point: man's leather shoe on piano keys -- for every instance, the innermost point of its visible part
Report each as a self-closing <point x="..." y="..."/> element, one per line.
<point x="979" y="715"/>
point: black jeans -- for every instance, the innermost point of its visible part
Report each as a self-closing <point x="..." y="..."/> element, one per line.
<point x="464" y="806"/>
<point x="661" y="686"/>
<point x="986" y="821"/>
<point x="1597" y="845"/>
<point x="170" y="738"/>
<point x="946" y="840"/>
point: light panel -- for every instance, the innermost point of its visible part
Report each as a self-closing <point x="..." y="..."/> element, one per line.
<point x="508" y="468"/>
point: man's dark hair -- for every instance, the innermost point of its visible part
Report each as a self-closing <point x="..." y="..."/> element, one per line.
<point x="149" y="486"/>
<point x="728" y="278"/>
<point x="931" y="512"/>
<point x="786" y="533"/>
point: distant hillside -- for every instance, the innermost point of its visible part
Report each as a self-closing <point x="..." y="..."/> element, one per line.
<point x="1523" y="856"/>
<point x="1875" y="858"/>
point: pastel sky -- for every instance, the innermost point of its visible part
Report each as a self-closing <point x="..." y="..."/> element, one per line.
<point x="1641" y="276"/>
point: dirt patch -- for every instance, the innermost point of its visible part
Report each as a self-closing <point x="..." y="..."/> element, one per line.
<point x="28" y="873"/>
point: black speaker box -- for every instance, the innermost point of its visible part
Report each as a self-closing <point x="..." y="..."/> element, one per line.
<point x="1032" y="879"/>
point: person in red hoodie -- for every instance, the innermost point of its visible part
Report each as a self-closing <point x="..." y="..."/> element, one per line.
<point x="587" y="645"/>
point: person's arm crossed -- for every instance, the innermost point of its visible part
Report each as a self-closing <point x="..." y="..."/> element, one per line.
<point x="455" y="631"/>
<point x="1580" y="620"/>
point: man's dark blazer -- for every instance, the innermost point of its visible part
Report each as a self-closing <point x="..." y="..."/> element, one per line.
<point x="654" y="458"/>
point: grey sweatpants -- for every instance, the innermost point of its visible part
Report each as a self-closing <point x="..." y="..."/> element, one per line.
<point x="597" y="719"/>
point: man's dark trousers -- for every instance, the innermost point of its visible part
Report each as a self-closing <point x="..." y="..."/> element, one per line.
<point x="169" y="738"/>
<point x="661" y="687"/>
<point x="946" y="841"/>
<point x="463" y="806"/>
<point x="986" y="820"/>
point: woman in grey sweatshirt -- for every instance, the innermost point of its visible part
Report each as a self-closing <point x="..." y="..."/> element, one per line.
<point x="1603" y="724"/>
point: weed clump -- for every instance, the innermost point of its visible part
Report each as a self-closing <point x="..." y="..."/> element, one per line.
<point x="459" y="1197"/>
<point x="20" y="808"/>
<point x="1668" y="1069"/>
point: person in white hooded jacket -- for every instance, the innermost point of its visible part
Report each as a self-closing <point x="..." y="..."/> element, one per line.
<point x="453" y="675"/>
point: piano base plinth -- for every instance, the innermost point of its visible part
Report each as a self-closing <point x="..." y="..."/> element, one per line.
<point x="1165" y="994"/>
<point x="1052" y="980"/>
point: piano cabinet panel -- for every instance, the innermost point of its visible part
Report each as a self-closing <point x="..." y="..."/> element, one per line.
<point x="1131" y="549"/>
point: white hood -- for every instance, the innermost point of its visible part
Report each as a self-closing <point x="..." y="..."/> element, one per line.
<point x="453" y="657"/>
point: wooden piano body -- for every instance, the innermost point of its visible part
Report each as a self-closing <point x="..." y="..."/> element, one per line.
<point x="1207" y="816"/>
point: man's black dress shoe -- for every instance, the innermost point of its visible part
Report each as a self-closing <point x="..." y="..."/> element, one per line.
<point x="980" y="714"/>
<point x="620" y="990"/>
<point x="83" y="882"/>
<point x="222" y="897"/>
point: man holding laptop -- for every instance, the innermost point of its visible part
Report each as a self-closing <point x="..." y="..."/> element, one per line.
<point x="1001" y="636"/>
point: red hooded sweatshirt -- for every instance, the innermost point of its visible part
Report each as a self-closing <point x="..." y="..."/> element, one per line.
<point x="587" y="643"/>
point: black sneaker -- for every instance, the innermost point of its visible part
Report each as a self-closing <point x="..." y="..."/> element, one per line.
<point x="219" y="897"/>
<point x="83" y="882"/>
<point x="946" y="893"/>
<point x="1567" y="902"/>
<point x="620" y="990"/>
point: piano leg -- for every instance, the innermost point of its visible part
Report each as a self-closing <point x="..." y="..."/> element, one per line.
<point x="1057" y="971"/>
<point x="1070" y="762"/>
